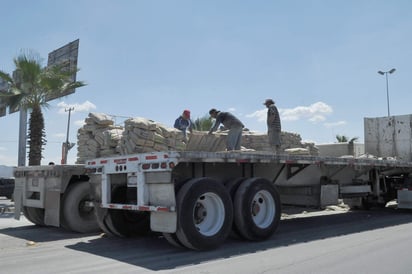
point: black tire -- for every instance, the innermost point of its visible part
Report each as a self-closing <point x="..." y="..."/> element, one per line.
<point x="127" y="223"/>
<point x="232" y="185"/>
<point x="172" y="239"/>
<point x="104" y="222"/>
<point x="34" y="215"/>
<point x="257" y="209"/>
<point x="76" y="215"/>
<point x="204" y="214"/>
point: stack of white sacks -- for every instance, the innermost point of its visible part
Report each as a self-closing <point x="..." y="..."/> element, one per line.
<point x="99" y="137"/>
<point x="143" y="135"/>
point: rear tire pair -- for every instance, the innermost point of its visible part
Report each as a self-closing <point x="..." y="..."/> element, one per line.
<point x="206" y="213"/>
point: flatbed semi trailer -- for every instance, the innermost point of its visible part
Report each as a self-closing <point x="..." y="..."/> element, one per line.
<point x="196" y="199"/>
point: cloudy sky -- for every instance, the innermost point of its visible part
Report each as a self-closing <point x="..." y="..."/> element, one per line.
<point x="154" y="58"/>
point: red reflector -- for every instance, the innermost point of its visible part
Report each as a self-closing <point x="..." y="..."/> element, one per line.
<point x="119" y="161"/>
<point x="91" y="163"/>
<point x="103" y="161"/>
<point x="144" y="208"/>
<point x="127" y="207"/>
<point x="133" y="159"/>
<point x="243" y="160"/>
<point x="151" y="157"/>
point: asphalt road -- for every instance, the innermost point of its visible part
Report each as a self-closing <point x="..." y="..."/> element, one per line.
<point x="375" y="241"/>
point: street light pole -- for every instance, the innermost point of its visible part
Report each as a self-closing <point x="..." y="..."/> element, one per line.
<point x="387" y="85"/>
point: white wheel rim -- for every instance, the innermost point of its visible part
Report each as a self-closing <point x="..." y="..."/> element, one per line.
<point x="209" y="214"/>
<point x="263" y="209"/>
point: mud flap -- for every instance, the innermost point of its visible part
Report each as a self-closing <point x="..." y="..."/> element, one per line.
<point x="52" y="208"/>
<point x="163" y="221"/>
<point x="18" y="200"/>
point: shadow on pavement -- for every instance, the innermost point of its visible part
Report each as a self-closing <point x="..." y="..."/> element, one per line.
<point x="25" y="230"/>
<point x="155" y="253"/>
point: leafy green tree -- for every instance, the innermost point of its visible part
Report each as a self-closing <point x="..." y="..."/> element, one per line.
<point x="203" y="123"/>
<point x="29" y="88"/>
<point x="344" y="139"/>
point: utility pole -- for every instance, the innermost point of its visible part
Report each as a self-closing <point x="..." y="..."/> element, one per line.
<point x="67" y="146"/>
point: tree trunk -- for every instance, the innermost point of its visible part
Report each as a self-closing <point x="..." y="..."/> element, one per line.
<point x="36" y="137"/>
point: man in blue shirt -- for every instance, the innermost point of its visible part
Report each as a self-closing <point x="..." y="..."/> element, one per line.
<point x="230" y="122"/>
<point x="184" y="123"/>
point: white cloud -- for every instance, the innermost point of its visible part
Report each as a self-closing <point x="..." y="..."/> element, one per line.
<point x="259" y="114"/>
<point x="79" y="123"/>
<point x="335" y="124"/>
<point x="84" y="107"/>
<point x="314" y="113"/>
<point x="231" y="110"/>
<point x="317" y="118"/>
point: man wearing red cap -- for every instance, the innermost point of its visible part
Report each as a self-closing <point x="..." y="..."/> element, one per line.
<point x="184" y="123"/>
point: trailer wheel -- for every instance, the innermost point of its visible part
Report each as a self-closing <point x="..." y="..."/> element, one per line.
<point x="34" y="215"/>
<point x="127" y="223"/>
<point x="257" y="209"/>
<point x="232" y="186"/>
<point x="104" y="221"/>
<point x="204" y="214"/>
<point x="172" y="239"/>
<point x="77" y="216"/>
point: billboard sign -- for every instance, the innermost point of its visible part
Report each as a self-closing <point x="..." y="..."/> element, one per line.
<point x="66" y="56"/>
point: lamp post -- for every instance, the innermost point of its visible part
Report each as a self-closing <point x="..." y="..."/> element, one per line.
<point x="387" y="86"/>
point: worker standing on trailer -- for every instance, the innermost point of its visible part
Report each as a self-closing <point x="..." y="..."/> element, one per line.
<point x="230" y="122"/>
<point x="184" y="123"/>
<point x="274" y="125"/>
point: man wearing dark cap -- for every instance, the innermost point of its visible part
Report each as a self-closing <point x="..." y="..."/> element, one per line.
<point x="274" y="126"/>
<point x="233" y="124"/>
<point x="184" y="123"/>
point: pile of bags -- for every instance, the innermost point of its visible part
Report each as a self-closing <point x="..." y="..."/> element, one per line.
<point x="143" y="135"/>
<point x="99" y="137"/>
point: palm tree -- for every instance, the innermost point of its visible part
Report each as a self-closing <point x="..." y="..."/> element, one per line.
<point x="29" y="88"/>
<point x="344" y="139"/>
<point x="341" y="138"/>
<point x="203" y="123"/>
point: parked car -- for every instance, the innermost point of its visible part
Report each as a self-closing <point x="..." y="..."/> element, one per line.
<point x="7" y="187"/>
